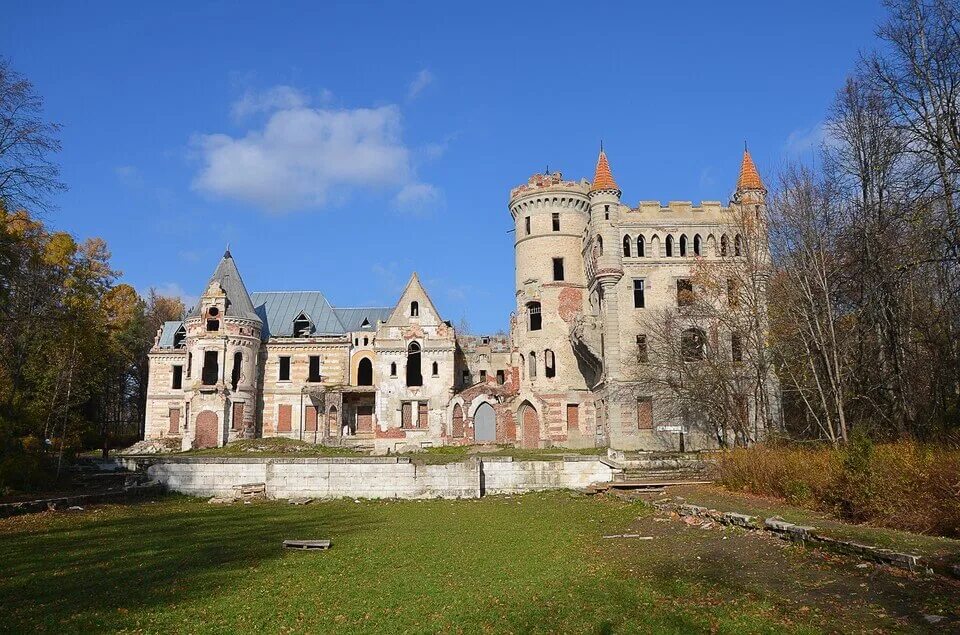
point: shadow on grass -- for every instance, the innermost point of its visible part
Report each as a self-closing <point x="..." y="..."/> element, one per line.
<point x="115" y="559"/>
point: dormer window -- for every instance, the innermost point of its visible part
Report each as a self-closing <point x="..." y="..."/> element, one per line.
<point x="414" y="309"/>
<point x="302" y="326"/>
<point x="365" y="322"/>
<point x="179" y="337"/>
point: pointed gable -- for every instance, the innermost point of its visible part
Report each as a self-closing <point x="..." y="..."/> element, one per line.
<point x="226" y="280"/>
<point x="414" y="299"/>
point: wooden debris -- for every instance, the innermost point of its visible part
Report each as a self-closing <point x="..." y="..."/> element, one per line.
<point x="306" y="545"/>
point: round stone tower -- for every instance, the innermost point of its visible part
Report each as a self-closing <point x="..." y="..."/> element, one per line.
<point x="222" y="342"/>
<point x="550" y="218"/>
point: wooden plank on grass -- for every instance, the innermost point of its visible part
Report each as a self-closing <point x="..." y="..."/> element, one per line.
<point x="306" y="545"/>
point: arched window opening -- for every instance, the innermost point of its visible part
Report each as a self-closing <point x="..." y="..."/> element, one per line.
<point x="235" y="373"/>
<point x="683" y="245"/>
<point x="435" y="370"/>
<point x="697" y="247"/>
<point x="393" y="369"/>
<point x="640" y="246"/>
<point x="535" y="320"/>
<point x="723" y="245"/>
<point x="414" y="375"/>
<point x="189" y="364"/>
<point x="669" y="246"/>
<point x="533" y="364"/>
<point x="301" y="326"/>
<point x="600" y="245"/>
<point x="626" y="246"/>
<point x="211" y="368"/>
<point x="365" y="372"/>
<point x="414" y="309"/>
<point x="549" y="364"/>
<point x="737" y="245"/>
<point x="693" y="345"/>
<point x="523" y="367"/>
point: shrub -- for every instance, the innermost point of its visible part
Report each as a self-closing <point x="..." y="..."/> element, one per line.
<point x="904" y="485"/>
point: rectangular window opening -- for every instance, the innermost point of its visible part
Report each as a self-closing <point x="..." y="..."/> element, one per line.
<point x="642" y="349"/>
<point x="527" y="224"/>
<point x="684" y="292"/>
<point x="314" y="368"/>
<point x="558" y="269"/>
<point x="177" y="383"/>
<point x="501" y="377"/>
<point x="211" y="368"/>
<point x="556" y="222"/>
<point x="638" y="297"/>
<point x="284" y="369"/>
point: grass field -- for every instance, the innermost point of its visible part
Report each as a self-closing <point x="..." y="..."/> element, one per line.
<point x="535" y="563"/>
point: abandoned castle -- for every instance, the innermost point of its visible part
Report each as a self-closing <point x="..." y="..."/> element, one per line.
<point x="288" y="364"/>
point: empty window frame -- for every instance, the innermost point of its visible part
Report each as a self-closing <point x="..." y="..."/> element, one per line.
<point x="533" y="364"/>
<point x="697" y="246"/>
<point x="640" y="247"/>
<point x="642" y="355"/>
<point x="414" y="374"/>
<point x="314" y="372"/>
<point x="177" y="380"/>
<point x="683" y="245"/>
<point x="535" y="318"/>
<point x="549" y="364"/>
<point x="526" y="223"/>
<point x="669" y="246"/>
<point x="235" y="372"/>
<point x="555" y="219"/>
<point x="639" y="300"/>
<point x="284" y="374"/>
<point x="684" y="292"/>
<point x="626" y="246"/>
<point x="483" y="376"/>
<point x="414" y="309"/>
<point x="558" y="269"/>
<point x="211" y="368"/>
<point x="435" y="370"/>
<point x="501" y="377"/>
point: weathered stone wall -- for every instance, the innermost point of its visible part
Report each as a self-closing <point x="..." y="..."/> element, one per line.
<point x="373" y="477"/>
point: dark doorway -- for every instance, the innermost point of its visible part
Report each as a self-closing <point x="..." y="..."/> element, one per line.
<point x="414" y="374"/>
<point x="365" y="372"/>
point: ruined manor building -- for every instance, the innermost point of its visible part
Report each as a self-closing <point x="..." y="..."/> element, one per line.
<point x="588" y="268"/>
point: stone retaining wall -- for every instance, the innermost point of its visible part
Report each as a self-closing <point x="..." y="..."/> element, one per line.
<point x="369" y="477"/>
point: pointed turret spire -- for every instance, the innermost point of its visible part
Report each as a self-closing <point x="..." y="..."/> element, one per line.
<point x="603" y="177"/>
<point x="227" y="277"/>
<point x="749" y="176"/>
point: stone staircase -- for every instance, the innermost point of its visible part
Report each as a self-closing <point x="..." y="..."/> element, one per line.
<point x="653" y="470"/>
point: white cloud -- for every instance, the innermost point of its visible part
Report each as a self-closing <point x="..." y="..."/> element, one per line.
<point x="423" y="79"/>
<point x="302" y="155"/>
<point x="276" y="98"/>
<point x="174" y="290"/>
<point x="804" y="140"/>
<point x="129" y="174"/>
<point x="417" y="198"/>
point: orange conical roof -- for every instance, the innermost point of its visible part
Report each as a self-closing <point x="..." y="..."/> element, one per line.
<point x="603" y="177"/>
<point x="749" y="177"/>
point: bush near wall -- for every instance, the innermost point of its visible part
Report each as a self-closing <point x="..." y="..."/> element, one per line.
<point x="904" y="485"/>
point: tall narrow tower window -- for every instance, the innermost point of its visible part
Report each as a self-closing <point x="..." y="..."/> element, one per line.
<point x="414" y="374"/>
<point x="526" y="222"/>
<point x="638" y="299"/>
<point x="533" y="364"/>
<point x="211" y="368"/>
<point x="284" y="374"/>
<point x="626" y="246"/>
<point x="556" y="221"/>
<point x="535" y="318"/>
<point x="683" y="245"/>
<point x="414" y="309"/>
<point x="697" y="247"/>
<point x="558" y="269"/>
<point x="669" y="246"/>
<point x="606" y="212"/>
<point x="235" y="373"/>
<point x="549" y="364"/>
<point x="640" y="246"/>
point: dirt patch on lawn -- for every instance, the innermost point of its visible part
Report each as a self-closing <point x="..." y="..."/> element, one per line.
<point x="810" y="586"/>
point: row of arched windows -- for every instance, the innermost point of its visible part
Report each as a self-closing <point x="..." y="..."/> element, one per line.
<point x="681" y="246"/>
<point x="549" y="364"/>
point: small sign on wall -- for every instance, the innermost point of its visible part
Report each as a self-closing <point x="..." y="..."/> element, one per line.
<point x="678" y="429"/>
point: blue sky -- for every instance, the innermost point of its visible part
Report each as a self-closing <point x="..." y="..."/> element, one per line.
<point x="341" y="146"/>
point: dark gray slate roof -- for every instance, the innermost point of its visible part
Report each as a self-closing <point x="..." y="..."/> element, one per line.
<point x="166" y="335"/>
<point x="239" y="304"/>
<point x="278" y="310"/>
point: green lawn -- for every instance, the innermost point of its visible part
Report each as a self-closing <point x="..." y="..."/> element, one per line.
<point x="535" y="563"/>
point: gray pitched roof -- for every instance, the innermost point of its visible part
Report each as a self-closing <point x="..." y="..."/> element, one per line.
<point x="353" y="318"/>
<point x="239" y="304"/>
<point x="278" y="310"/>
<point x="166" y="335"/>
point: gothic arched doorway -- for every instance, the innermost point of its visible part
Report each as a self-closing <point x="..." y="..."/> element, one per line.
<point x="530" y="424"/>
<point x="485" y="424"/>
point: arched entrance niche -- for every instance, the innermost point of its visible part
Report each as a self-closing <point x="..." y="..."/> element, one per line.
<point x="485" y="424"/>
<point x="530" y="426"/>
<point x="206" y="434"/>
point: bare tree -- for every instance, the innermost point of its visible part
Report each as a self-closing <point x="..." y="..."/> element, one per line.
<point x="28" y="177"/>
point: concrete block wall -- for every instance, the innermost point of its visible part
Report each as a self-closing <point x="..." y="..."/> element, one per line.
<point x="517" y="477"/>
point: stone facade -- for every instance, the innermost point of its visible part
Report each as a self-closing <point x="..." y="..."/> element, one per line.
<point x="288" y="364"/>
